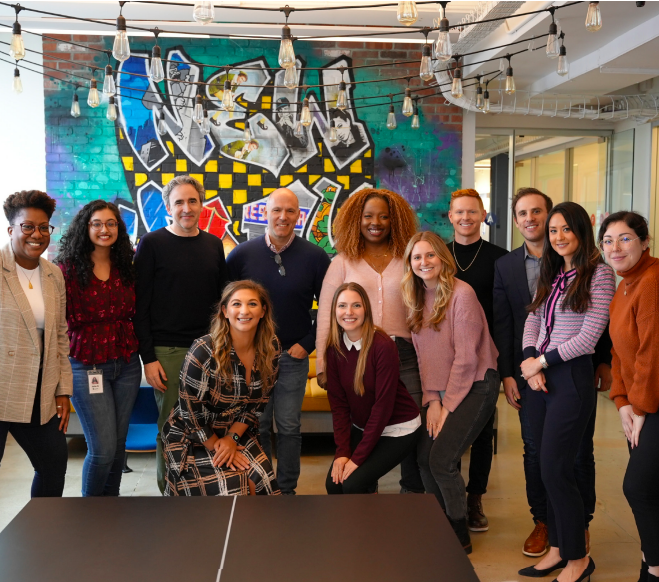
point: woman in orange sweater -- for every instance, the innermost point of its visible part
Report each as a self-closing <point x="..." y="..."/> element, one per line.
<point x="634" y="310"/>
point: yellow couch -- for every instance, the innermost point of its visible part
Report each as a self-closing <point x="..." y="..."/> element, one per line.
<point x="315" y="398"/>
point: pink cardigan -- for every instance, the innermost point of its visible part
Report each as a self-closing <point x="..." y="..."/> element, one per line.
<point x="383" y="291"/>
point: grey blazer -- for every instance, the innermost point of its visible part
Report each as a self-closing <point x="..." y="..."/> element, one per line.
<point x="19" y="343"/>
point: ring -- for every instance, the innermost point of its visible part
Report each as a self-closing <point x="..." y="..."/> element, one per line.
<point x="59" y="407"/>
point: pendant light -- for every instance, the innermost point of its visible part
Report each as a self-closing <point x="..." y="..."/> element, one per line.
<point x="391" y="117"/>
<point x="290" y="77"/>
<point x="593" y="17"/>
<point x="456" y="86"/>
<point x="205" y="125"/>
<point x="198" y="111"/>
<point x="121" y="46"/>
<point x="510" y="80"/>
<point x="305" y="116"/>
<point x="416" y="124"/>
<point x="203" y="12"/>
<point x="286" y="52"/>
<point x="247" y="133"/>
<point x="156" y="72"/>
<point x="408" y="106"/>
<point x="407" y="13"/>
<point x="93" y="98"/>
<point x="75" y="106"/>
<point x="342" y="99"/>
<point x="111" y="113"/>
<point x="552" y="39"/>
<point x="486" y="100"/>
<point x="425" y="70"/>
<point x="162" y="126"/>
<point x="227" y="95"/>
<point x="443" y="48"/>
<point x="299" y="130"/>
<point x="480" y="100"/>
<point x="17" y="84"/>
<point x="109" y="87"/>
<point x="563" y="64"/>
<point x="331" y="134"/>
<point x="17" y="46"/>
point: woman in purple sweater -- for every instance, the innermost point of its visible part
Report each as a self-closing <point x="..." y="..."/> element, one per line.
<point x="376" y="421"/>
<point x="457" y="363"/>
<point x="566" y="319"/>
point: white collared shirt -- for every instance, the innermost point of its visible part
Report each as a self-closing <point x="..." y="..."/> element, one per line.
<point x="357" y="345"/>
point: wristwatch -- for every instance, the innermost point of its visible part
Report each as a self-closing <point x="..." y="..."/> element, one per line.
<point x="234" y="436"/>
<point x="543" y="362"/>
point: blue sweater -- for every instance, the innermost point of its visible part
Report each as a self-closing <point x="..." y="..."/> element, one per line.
<point x="293" y="295"/>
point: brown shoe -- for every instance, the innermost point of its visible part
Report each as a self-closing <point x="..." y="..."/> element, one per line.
<point x="587" y="543"/>
<point x="476" y="518"/>
<point x="537" y="543"/>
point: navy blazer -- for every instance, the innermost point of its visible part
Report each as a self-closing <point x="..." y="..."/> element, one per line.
<point x="511" y="297"/>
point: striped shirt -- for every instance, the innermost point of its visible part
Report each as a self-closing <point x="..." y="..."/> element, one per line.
<point x="573" y="334"/>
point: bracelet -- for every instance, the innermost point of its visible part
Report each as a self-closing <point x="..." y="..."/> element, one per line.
<point x="636" y="415"/>
<point x="543" y="362"/>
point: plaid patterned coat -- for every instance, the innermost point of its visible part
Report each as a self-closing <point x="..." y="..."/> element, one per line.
<point x="208" y="406"/>
<point x="19" y="343"/>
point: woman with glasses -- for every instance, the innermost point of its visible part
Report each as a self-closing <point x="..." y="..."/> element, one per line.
<point x="625" y="240"/>
<point x="568" y="314"/>
<point x="96" y="257"/>
<point x="35" y="374"/>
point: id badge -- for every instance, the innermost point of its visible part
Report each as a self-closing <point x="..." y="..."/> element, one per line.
<point x="95" y="380"/>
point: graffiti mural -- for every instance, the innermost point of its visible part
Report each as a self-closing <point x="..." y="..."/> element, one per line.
<point x="238" y="174"/>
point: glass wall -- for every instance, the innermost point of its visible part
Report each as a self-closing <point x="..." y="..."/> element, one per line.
<point x="588" y="180"/>
<point x="622" y="171"/>
<point x="550" y="175"/>
<point x="654" y="193"/>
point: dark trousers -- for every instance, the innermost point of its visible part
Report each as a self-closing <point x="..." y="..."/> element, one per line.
<point x="45" y="446"/>
<point x="559" y="419"/>
<point x="410" y="477"/>
<point x="584" y="466"/>
<point x="387" y="453"/>
<point x="641" y="487"/>
<point x="480" y="461"/>
<point x="439" y="459"/>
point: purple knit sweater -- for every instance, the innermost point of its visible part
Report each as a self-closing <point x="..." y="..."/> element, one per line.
<point x="573" y="334"/>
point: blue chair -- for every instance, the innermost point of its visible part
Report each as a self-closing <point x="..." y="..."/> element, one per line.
<point x="143" y="427"/>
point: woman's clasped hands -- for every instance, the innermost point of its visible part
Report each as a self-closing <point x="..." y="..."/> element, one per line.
<point x="342" y="468"/>
<point x="435" y="418"/>
<point x="227" y="452"/>
<point x="532" y="373"/>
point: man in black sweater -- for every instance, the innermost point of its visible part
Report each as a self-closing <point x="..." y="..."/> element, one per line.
<point x="180" y="274"/>
<point x="292" y="270"/>
<point x="475" y="258"/>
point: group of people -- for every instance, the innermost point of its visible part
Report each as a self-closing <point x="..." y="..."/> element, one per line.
<point x="413" y="338"/>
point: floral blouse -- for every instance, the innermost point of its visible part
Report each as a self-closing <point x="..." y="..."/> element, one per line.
<point x="100" y="318"/>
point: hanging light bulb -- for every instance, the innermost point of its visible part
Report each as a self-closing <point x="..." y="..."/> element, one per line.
<point x="407" y="13"/>
<point x="552" y="41"/>
<point x="299" y="130"/>
<point x="157" y="73"/>
<point x="502" y="66"/>
<point x="121" y="46"/>
<point x="109" y="88"/>
<point x="331" y="135"/>
<point x="247" y="133"/>
<point x="17" y="46"/>
<point x="227" y="96"/>
<point x="93" y="99"/>
<point x="391" y="118"/>
<point x="198" y="111"/>
<point x="443" y="47"/>
<point x="563" y="64"/>
<point x="112" y="109"/>
<point x="408" y="106"/>
<point x="286" y="52"/>
<point x="480" y="100"/>
<point x="305" y="116"/>
<point x="416" y="124"/>
<point x="510" y="81"/>
<point x="594" y="17"/>
<point x="342" y="99"/>
<point x="17" y="85"/>
<point x="486" y="101"/>
<point x="290" y="77"/>
<point x="75" y="106"/>
<point x="456" y="87"/>
<point x="205" y="125"/>
<point x="162" y="126"/>
<point x="203" y="12"/>
<point x="425" y="71"/>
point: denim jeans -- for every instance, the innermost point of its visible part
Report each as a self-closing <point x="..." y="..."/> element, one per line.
<point x="286" y="403"/>
<point x="439" y="459"/>
<point x="104" y="418"/>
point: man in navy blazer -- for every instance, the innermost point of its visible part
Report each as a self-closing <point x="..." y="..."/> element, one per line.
<point x="515" y="280"/>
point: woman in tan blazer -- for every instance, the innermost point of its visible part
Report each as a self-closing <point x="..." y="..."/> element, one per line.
<point x="35" y="373"/>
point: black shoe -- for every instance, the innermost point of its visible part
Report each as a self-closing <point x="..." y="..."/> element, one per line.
<point x="585" y="575"/>
<point x="652" y="578"/>
<point x="643" y="574"/>
<point x="462" y="533"/>
<point x="533" y="572"/>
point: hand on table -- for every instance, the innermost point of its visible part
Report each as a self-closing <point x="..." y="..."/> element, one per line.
<point x="155" y="375"/>
<point x="511" y="391"/>
<point x="63" y="405"/>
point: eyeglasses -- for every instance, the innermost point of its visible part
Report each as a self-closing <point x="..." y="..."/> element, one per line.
<point x="608" y="244"/>
<point x="44" y="229"/>
<point x="282" y="271"/>
<point x="98" y="225"/>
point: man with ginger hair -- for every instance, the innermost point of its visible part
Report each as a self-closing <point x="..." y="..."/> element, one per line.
<point x="292" y="270"/>
<point x="475" y="258"/>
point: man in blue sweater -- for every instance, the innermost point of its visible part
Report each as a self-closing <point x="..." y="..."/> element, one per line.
<point x="292" y="270"/>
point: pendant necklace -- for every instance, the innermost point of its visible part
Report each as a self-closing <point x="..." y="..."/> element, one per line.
<point x="472" y="261"/>
<point x="29" y="279"/>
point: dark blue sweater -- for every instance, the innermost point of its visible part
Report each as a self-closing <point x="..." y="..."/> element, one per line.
<point x="292" y="296"/>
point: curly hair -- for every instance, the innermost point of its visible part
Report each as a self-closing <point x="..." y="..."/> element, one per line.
<point x="28" y="199"/>
<point x="76" y="247"/>
<point x="347" y="226"/>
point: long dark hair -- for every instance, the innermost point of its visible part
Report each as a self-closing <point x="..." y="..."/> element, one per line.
<point x="75" y="246"/>
<point x="585" y="260"/>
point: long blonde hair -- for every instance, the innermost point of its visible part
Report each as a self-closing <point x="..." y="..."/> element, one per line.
<point x="368" y="333"/>
<point x="414" y="290"/>
<point x="265" y="346"/>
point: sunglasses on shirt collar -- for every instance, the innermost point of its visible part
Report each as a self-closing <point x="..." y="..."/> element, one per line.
<point x="282" y="270"/>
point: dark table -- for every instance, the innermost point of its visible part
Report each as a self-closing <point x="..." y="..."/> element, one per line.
<point x="383" y="538"/>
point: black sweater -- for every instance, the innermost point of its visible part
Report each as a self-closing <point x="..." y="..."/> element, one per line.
<point x="179" y="281"/>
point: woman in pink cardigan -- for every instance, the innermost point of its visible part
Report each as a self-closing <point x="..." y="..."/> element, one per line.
<point x="371" y="233"/>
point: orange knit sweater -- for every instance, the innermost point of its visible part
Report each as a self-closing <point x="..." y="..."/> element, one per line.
<point x="634" y="327"/>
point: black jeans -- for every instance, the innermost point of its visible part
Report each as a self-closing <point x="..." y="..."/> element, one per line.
<point x="439" y="459"/>
<point x="387" y="453"/>
<point x="641" y="487"/>
<point x="480" y="462"/>
<point x="410" y="477"/>
<point x="559" y="419"/>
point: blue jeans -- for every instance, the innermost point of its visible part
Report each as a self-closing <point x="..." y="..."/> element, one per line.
<point x="104" y="418"/>
<point x="286" y="402"/>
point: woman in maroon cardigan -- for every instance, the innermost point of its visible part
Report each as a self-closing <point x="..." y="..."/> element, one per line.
<point x="376" y="422"/>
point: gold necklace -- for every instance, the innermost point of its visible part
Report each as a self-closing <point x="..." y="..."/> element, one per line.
<point x="472" y="262"/>
<point x="368" y="258"/>
<point x="29" y="279"/>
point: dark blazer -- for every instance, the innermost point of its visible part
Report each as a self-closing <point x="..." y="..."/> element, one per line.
<point x="511" y="297"/>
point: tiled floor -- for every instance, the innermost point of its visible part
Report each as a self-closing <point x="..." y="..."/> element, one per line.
<point x="497" y="553"/>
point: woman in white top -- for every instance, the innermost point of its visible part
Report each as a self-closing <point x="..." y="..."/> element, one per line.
<point x="35" y="374"/>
